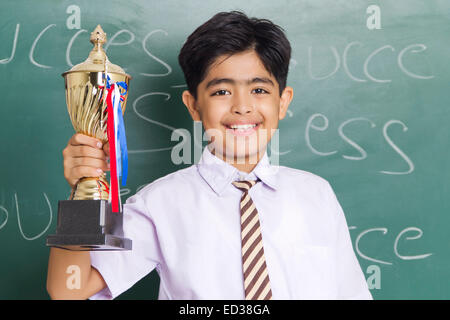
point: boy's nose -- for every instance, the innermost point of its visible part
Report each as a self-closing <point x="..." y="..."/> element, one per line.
<point x="242" y="109"/>
<point x="242" y="104"/>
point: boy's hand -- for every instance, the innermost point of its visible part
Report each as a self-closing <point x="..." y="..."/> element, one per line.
<point x="84" y="156"/>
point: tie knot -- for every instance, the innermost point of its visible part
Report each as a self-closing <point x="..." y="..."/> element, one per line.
<point x="245" y="185"/>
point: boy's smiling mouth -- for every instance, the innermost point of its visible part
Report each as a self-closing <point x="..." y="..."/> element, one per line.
<point x="242" y="128"/>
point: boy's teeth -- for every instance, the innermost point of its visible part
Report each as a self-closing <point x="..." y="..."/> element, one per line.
<point x="243" y="127"/>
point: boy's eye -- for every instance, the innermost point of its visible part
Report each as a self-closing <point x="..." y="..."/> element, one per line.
<point x="259" y="91"/>
<point x="221" y="93"/>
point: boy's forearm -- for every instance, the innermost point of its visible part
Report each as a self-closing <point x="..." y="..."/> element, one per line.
<point x="70" y="275"/>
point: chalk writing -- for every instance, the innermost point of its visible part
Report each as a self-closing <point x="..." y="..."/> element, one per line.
<point x="384" y="231"/>
<point x="338" y="60"/>
<point x="310" y="126"/>
<point x="33" y="46"/>
<point x="14" y="45"/>
<point x="20" y="224"/>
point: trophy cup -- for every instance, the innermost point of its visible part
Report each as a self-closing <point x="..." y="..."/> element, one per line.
<point x="89" y="221"/>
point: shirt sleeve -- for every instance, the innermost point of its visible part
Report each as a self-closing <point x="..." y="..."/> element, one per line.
<point x="122" y="269"/>
<point x="352" y="284"/>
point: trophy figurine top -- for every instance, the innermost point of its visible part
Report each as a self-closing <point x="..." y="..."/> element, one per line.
<point x="97" y="60"/>
<point x="87" y="87"/>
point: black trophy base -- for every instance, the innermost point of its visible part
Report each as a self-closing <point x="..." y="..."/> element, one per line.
<point x="88" y="225"/>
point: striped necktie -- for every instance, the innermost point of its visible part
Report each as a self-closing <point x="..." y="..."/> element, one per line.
<point x="256" y="278"/>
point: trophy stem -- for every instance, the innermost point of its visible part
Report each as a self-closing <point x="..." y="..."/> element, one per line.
<point x="92" y="188"/>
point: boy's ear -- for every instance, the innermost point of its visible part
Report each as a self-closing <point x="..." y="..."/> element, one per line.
<point x="285" y="100"/>
<point x="189" y="102"/>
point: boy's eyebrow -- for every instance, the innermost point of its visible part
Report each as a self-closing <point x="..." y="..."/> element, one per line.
<point x="217" y="81"/>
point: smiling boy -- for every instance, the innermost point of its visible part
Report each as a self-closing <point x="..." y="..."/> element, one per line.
<point x="239" y="106"/>
<point x="232" y="226"/>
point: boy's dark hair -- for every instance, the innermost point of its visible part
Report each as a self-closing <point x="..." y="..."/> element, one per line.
<point x="230" y="33"/>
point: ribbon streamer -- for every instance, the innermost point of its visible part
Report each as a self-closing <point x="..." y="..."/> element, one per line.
<point x="117" y="140"/>
<point x="121" y="140"/>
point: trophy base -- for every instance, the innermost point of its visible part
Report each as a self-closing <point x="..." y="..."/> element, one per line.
<point x="88" y="242"/>
<point x="88" y="225"/>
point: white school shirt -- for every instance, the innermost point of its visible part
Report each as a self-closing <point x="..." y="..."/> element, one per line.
<point x="187" y="226"/>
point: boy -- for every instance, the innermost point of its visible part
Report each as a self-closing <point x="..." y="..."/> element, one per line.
<point x="232" y="226"/>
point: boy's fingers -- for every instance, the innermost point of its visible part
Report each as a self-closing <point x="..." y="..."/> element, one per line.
<point x="84" y="171"/>
<point x="82" y="139"/>
<point x="85" y="151"/>
<point x="83" y="157"/>
<point x="77" y="168"/>
<point x="89" y="162"/>
<point x="106" y="148"/>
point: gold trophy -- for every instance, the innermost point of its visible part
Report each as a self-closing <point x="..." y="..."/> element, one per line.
<point x="86" y="222"/>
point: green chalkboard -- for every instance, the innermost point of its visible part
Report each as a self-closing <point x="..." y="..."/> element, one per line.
<point x="370" y="114"/>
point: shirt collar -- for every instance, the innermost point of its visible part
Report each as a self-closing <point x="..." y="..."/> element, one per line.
<point x="220" y="174"/>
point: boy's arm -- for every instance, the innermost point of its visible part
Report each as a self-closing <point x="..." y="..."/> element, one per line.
<point x="68" y="269"/>
<point x="97" y="271"/>
<point x="84" y="156"/>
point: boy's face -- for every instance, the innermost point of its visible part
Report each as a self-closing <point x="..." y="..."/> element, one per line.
<point x="239" y="105"/>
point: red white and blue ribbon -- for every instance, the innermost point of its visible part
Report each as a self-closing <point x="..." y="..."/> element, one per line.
<point x="118" y="152"/>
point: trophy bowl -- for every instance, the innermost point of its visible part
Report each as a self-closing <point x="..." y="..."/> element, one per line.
<point x="85" y="92"/>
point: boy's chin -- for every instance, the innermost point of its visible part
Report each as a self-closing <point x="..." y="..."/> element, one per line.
<point x="239" y="153"/>
<point x="244" y="155"/>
